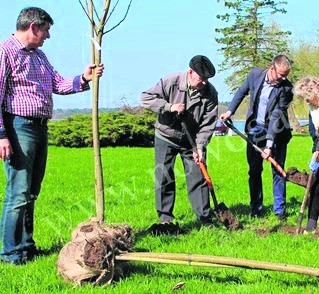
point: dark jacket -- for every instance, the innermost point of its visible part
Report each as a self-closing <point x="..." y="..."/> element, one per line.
<point x="314" y="135"/>
<point x="276" y="119"/>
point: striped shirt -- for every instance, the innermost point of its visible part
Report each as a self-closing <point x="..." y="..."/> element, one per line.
<point x="28" y="80"/>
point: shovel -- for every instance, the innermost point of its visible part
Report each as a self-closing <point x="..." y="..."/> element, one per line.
<point x="222" y="212"/>
<point x="229" y="124"/>
<point x="305" y="200"/>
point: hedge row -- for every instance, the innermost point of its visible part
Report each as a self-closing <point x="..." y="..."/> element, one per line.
<point x="116" y="129"/>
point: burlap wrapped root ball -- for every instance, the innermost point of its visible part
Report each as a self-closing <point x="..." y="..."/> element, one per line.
<point x="89" y="256"/>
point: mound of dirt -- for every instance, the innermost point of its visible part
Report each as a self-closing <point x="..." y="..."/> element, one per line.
<point x="297" y="177"/>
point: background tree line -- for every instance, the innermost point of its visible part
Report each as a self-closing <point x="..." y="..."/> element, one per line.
<point x="123" y="127"/>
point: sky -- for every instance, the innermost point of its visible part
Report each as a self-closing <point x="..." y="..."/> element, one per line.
<point x="157" y="38"/>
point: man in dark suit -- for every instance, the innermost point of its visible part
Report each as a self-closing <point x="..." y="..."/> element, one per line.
<point x="268" y="126"/>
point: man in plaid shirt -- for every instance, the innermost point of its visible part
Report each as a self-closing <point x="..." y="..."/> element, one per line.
<point x="27" y="82"/>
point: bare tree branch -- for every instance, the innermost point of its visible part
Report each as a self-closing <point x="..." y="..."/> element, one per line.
<point x="128" y="8"/>
<point x="112" y="10"/>
<point x="91" y="20"/>
<point x="97" y="15"/>
<point x="103" y="19"/>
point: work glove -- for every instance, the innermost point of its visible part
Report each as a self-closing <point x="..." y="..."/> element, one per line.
<point x="314" y="165"/>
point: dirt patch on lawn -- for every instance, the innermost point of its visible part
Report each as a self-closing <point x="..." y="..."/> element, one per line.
<point x="289" y="230"/>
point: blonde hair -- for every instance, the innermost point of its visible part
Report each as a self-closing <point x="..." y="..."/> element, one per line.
<point x="307" y="87"/>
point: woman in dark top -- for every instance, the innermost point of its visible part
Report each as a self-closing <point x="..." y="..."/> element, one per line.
<point x="308" y="88"/>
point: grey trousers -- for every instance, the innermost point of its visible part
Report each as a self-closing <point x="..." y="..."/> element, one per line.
<point x="165" y="189"/>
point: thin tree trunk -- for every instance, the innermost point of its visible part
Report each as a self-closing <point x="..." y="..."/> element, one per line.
<point x="98" y="170"/>
<point x="99" y="184"/>
<point x="97" y="32"/>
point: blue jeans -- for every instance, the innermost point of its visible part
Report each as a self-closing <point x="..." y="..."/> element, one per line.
<point x="24" y="174"/>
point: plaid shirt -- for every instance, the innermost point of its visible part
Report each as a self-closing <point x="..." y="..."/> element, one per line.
<point x="28" y="80"/>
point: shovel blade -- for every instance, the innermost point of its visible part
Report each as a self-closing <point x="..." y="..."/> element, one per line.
<point x="225" y="216"/>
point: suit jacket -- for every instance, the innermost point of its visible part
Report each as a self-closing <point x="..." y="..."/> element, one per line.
<point x="276" y="119"/>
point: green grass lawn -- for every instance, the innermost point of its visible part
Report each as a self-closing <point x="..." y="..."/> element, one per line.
<point x="67" y="199"/>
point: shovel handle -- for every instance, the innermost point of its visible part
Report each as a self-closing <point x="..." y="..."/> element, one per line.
<point x="305" y="201"/>
<point x="208" y="180"/>
<point x="209" y="183"/>
<point x="277" y="166"/>
<point x="201" y="165"/>
<point x="229" y="124"/>
<point x="271" y="160"/>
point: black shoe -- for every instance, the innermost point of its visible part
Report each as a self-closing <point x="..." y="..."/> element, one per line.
<point x="164" y="228"/>
<point x="32" y="252"/>
<point x="206" y="222"/>
<point x="282" y="217"/>
<point x="311" y="225"/>
<point x="257" y="214"/>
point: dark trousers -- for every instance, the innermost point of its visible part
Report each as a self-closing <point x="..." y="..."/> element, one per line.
<point x="255" y="162"/>
<point x="165" y="190"/>
<point x="313" y="211"/>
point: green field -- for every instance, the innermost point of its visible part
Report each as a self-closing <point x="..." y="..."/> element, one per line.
<point x="67" y="199"/>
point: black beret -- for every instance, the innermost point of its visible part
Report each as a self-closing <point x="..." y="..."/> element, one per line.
<point x="202" y="66"/>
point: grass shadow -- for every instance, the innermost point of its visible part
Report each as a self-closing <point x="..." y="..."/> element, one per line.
<point x="240" y="211"/>
<point x="55" y="248"/>
<point x="167" y="238"/>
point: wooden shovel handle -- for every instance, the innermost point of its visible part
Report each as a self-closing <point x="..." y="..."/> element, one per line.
<point x="229" y="124"/>
<point x="277" y="166"/>
<point x="305" y="201"/>
<point x="205" y="175"/>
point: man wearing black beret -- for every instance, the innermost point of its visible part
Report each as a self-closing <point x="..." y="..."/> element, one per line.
<point x="190" y="97"/>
